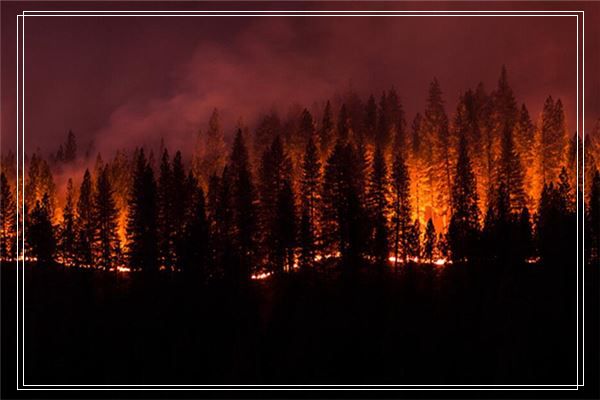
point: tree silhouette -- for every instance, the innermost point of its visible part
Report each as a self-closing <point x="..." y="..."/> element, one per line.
<point x="141" y="221"/>
<point x="379" y="208"/>
<point x="594" y="214"/>
<point x="400" y="209"/>
<point x="106" y="241"/>
<point x="285" y="228"/>
<point x="85" y="221"/>
<point x="429" y="246"/>
<point x="244" y="214"/>
<point x="8" y="221"/>
<point x="40" y="232"/>
<point x="194" y="248"/>
<point x="310" y="197"/>
<point x="326" y="133"/>
<point x="68" y="232"/>
<point x="464" y="224"/>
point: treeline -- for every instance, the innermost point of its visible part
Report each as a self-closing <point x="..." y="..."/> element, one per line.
<point x="359" y="189"/>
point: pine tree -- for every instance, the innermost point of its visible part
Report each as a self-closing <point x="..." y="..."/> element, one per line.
<point x="464" y="224"/>
<point x="401" y="220"/>
<point x="285" y="228"/>
<point x="430" y="241"/>
<point x="552" y="140"/>
<point x="343" y="215"/>
<point x="215" y="152"/>
<point x="379" y="208"/>
<point x="384" y="123"/>
<point x="165" y="223"/>
<point x="85" y="222"/>
<point x="8" y="221"/>
<point x="106" y="240"/>
<point x="243" y="196"/>
<point x="141" y="220"/>
<point x="525" y="145"/>
<point x="414" y="243"/>
<point x="436" y="124"/>
<point x="274" y="171"/>
<point x="310" y="198"/>
<point x="510" y="173"/>
<point x="40" y="232"/>
<point x="195" y="242"/>
<point x="67" y="240"/>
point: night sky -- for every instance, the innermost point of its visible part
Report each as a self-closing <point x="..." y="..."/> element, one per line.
<point x="125" y="81"/>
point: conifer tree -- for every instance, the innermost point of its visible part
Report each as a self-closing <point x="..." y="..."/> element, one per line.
<point x="165" y="207"/>
<point x="8" y="221"/>
<point x="106" y="240"/>
<point x="436" y="124"/>
<point x="40" y="232"/>
<point x="310" y="198"/>
<point x="464" y="223"/>
<point x="400" y="209"/>
<point x="510" y="173"/>
<point x="285" y="228"/>
<point x="552" y="140"/>
<point x="275" y="170"/>
<point x="268" y="128"/>
<point x="141" y="219"/>
<point x="244" y="214"/>
<point x="379" y="208"/>
<point x="85" y="221"/>
<point x="195" y="242"/>
<point x="67" y="240"/>
<point x="430" y="241"/>
<point x="525" y="145"/>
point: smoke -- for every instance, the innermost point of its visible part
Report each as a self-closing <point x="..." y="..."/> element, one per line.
<point x="125" y="82"/>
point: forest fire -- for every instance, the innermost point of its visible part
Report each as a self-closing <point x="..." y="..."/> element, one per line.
<point x="298" y="193"/>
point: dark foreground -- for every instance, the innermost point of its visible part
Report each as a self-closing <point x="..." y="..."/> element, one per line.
<point x="465" y="324"/>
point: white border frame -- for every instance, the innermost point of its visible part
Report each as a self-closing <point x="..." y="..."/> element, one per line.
<point x="21" y="113"/>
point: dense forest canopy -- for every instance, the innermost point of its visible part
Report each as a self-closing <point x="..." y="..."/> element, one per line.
<point x="359" y="184"/>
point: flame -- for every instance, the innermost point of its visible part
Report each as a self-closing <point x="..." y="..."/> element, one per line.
<point x="261" y="276"/>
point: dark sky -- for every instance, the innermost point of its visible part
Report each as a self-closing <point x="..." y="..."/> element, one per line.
<point x="128" y="80"/>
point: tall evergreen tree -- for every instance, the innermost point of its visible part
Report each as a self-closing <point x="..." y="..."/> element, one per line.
<point x="275" y="170"/>
<point x="429" y="246"/>
<point x="285" y="228"/>
<point x="85" y="221"/>
<point x="464" y="224"/>
<point x="401" y="211"/>
<point x="8" y="220"/>
<point x="40" y="232"/>
<point x="141" y="221"/>
<point x="552" y="140"/>
<point x="310" y="198"/>
<point x="67" y="239"/>
<point x="244" y="213"/>
<point x="510" y="173"/>
<point x="343" y="215"/>
<point x="165" y="207"/>
<point x="379" y="208"/>
<point x="106" y="240"/>
<point x="194" y="249"/>
<point x="436" y="124"/>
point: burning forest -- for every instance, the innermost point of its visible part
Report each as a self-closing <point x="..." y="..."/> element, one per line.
<point x="359" y="185"/>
